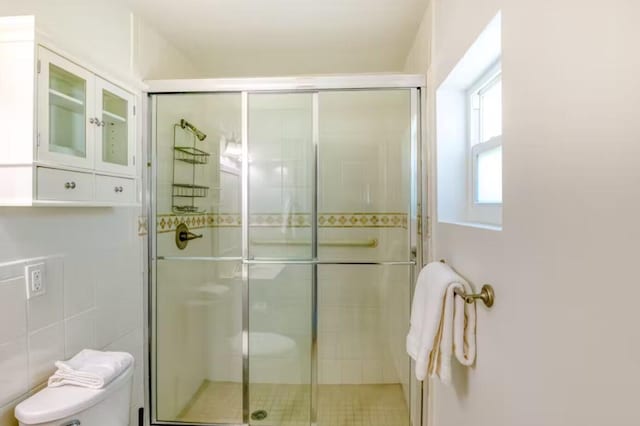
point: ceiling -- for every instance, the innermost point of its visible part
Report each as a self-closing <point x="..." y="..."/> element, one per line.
<point x="237" y="38"/>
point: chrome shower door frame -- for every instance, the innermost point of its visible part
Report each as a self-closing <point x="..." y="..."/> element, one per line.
<point x="245" y="87"/>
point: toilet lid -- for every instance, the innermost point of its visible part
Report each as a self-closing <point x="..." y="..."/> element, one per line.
<point x="51" y="404"/>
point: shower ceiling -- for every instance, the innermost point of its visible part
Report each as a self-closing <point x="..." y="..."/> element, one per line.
<point x="287" y="37"/>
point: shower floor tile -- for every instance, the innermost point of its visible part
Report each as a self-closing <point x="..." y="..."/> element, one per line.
<point x="288" y="405"/>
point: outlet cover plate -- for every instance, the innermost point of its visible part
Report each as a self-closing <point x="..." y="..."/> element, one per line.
<point x="35" y="277"/>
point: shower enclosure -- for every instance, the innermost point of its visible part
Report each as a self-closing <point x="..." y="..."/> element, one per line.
<point x="284" y="237"/>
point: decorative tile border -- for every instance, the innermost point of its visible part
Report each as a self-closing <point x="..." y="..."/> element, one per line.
<point x="362" y="220"/>
<point x="224" y="220"/>
<point x="143" y="226"/>
<point x="169" y="222"/>
<point x="274" y="220"/>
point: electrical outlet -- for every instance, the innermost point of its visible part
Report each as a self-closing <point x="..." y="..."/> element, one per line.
<point x="35" y="276"/>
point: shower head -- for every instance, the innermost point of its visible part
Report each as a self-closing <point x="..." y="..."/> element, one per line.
<point x="186" y="125"/>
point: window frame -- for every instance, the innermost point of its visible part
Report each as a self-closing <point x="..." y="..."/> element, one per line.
<point x="476" y="147"/>
<point x="476" y="150"/>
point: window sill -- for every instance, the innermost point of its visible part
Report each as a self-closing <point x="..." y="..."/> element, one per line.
<point x="477" y="225"/>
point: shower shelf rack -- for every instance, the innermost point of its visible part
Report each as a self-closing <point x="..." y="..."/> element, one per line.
<point x="190" y="191"/>
<point x="182" y="192"/>
<point x="190" y="155"/>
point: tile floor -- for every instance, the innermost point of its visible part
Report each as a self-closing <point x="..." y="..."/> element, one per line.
<point x="288" y="405"/>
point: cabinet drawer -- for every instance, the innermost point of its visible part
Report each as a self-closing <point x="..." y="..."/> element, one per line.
<point x="115" y="190"/>
<point x="63" y="185"/>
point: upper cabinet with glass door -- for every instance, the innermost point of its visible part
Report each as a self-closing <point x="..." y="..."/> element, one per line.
<point x="66" y="123"/>
<point x="115" y="137"/>
<point x="68" y="135"/>
<point x="84" y="121"/>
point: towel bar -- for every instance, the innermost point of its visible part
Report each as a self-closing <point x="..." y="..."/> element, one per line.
<point x="486" y="294"/>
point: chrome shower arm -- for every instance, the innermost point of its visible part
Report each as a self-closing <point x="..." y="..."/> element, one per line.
<point x="193" y="129"/>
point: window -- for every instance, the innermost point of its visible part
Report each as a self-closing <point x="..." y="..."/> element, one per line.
<point x="468" y="132"/>
<point x="485" y="137"/>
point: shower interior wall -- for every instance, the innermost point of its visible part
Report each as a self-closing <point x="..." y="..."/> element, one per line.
<point x="363" y="310"/>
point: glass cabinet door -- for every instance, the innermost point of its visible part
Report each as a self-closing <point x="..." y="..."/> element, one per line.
<point x="115" y="129"/>
<point x="65" y="107"/>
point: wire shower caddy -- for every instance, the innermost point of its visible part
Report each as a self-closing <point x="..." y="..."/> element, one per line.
<point x="184" y="194"/>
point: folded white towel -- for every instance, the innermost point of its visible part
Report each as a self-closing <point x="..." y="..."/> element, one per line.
<point x="91" y="369"/>
<point x="441" y="324"/>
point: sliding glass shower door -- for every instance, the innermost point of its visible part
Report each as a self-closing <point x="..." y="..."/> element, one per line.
<point x="281" y="164"/>
<point x="286" y="299"/>
<point x="364" y="281"/>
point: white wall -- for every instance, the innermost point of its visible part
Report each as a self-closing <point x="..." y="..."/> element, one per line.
<point x="155" y="57"/>
<point x="107" y="34"/>
<point x="96" y="297"/>
<point x="560" y="346"/>
<point x="419" y="55"/>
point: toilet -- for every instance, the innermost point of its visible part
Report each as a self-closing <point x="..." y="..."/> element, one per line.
<point x="78" y="406"/>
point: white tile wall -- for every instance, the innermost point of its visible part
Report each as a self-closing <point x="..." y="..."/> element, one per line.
<point x="93" y="261"/>
<point x="79" y="294"/>
<point x="79" y="332"/>
<point x="14" y="309"/>
<point x="45" y="345"/>
<point x="13" y="369"/>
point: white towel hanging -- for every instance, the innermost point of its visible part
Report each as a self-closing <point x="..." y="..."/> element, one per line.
<point x="441" y="323"/>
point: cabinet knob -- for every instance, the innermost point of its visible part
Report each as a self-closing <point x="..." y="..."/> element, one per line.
<point x="70" y="185"/>
<point x="119" y="189"/>
<point x="92" y="120"/>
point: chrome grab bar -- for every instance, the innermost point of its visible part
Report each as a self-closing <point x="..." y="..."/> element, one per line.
<point x="370" y="243"/>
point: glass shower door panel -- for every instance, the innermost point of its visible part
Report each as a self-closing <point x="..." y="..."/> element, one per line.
<point x="281" y="166"/>
<point x="211" y="164"/>
<point x="281" y="194"/>
<point x="198" y="346"/>
<point x="363" y="369"/>
<point x="364" y="187"/>
<point x="197" y="305"/>
<point x="280" y="344"/>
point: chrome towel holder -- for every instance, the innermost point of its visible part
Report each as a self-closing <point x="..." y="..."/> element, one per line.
<point x="486" y="294"/>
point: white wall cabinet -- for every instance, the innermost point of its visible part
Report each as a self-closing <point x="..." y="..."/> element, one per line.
<point x="115" y="137"/>
<point x="70" y="137"/>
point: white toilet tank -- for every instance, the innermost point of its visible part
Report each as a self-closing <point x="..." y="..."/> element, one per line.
<point x="79" y="406"/>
